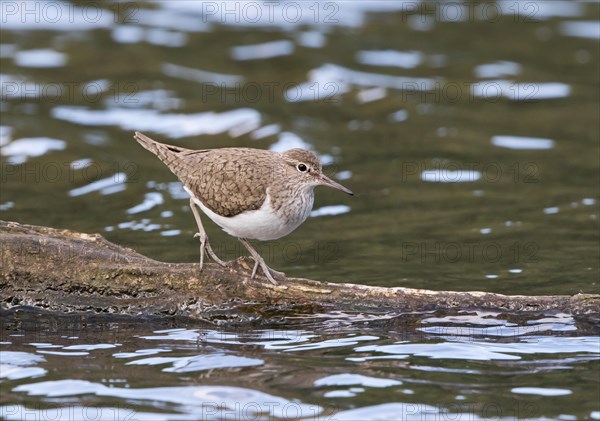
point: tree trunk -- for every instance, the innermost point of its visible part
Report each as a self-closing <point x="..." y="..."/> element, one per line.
<point x="67" y="271"/>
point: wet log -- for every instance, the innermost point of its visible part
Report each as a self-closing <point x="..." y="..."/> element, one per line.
<point x="66" y="271"/>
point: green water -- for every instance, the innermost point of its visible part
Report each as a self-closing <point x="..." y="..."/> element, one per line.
<point x="500" y="101"/>
<point x="400" y="231"/>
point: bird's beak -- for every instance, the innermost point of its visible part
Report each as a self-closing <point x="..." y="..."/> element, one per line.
<point x="326" y="181"/>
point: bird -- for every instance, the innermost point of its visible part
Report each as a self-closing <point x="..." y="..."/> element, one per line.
<point x="252" y="194"/>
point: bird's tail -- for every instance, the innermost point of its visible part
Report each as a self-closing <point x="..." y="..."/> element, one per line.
<point x="169" y="154"/>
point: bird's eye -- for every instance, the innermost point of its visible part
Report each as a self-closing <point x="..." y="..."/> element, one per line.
<point x="302" y="167"/>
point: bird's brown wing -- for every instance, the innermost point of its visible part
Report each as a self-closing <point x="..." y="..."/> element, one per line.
<point x="228" y="181"/>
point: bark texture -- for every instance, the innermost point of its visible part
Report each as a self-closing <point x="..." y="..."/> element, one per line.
<point x="62" y="270"/>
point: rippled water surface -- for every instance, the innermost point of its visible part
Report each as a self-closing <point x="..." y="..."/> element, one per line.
<point x="468" y="131"/>
<point x="463" y="366"/>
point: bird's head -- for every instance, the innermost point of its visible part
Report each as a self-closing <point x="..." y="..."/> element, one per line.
<point x="308" y="169"/>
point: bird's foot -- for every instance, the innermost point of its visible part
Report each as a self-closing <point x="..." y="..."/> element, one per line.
<point x="270" y="274"/>
<point x="205" y="245"/>
<point x="260" y="262"/>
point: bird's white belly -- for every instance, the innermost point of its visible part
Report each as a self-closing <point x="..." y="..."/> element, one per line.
<point x="261" y="224"/>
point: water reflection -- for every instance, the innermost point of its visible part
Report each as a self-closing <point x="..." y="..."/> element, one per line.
<point x="210" y="403"/>
<point x="18" y="151"/>
<point x="40" y="58"/>
<point x="370" y="86"/>
<point x="524" y="91"/>
<point x="16" y="365"/>
<point x="520" y="142"/>
<point x="403" y="59"/>
<point x="499" y="69"/>
<point x="590" y="29"/>
<point x="355" y="359"/>
<point x="173" y="125"/>
<point x="202" y="76"/>
<point x="199" y="362"/>
<point x="485" y="351"/>
<point x="262" y="51"/>
<point x="106" y="186"/>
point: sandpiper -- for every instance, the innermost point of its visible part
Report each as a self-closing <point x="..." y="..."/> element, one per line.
<point x="252" y="194"/>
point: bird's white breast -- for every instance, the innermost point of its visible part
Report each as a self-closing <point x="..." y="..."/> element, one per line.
<point x="261" y="224"/>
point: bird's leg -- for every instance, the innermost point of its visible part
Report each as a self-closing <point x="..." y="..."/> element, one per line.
<point x="259" y="261"/>
<point x="254" y="269"/>
<point x="204" y="244"/>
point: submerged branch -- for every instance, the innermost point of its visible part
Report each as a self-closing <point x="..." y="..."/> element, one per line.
<point x="67" y="271"/>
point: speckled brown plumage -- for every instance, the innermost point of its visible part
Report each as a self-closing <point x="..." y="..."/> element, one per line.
<point x="228" y="181"/>
<point x="249" y="193"/>
<point x="232" y="180"/>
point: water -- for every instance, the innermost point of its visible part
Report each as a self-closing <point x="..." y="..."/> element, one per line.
<point x="462" y="366"/>
<point x="468" y="131"/>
